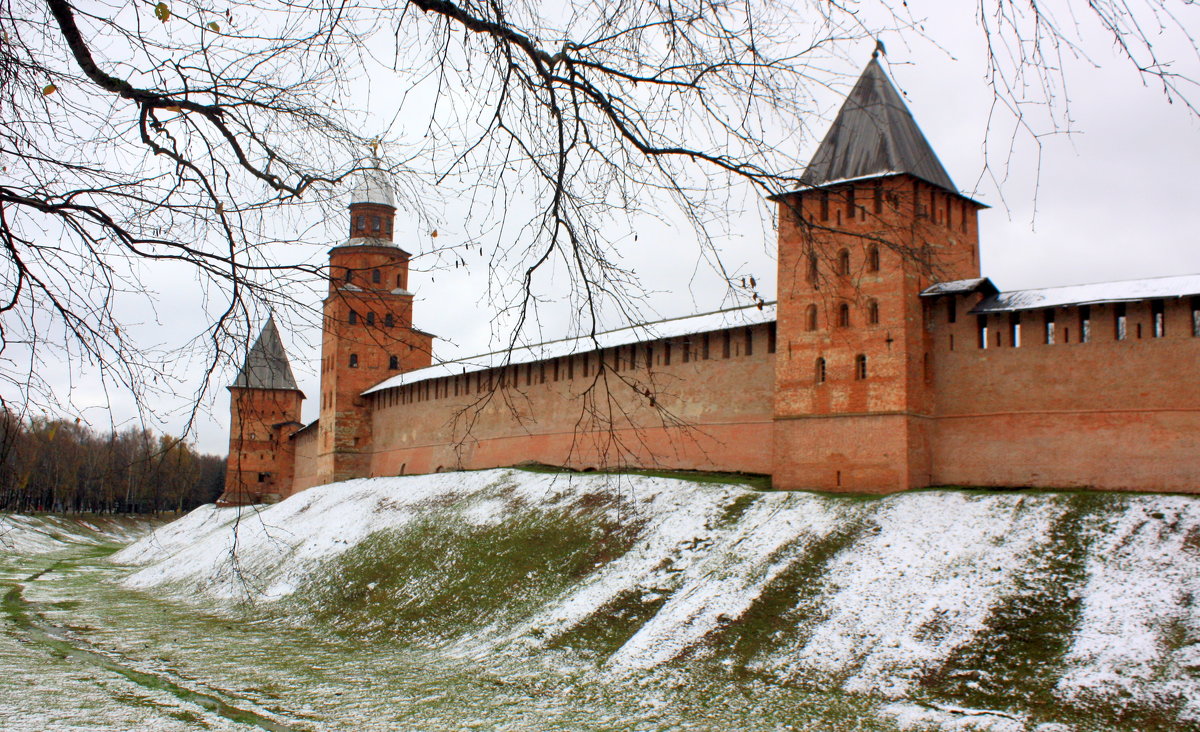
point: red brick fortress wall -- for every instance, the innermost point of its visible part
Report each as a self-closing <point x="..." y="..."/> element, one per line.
<point x="1105" y="413"/>
<point x="702" y="403"/>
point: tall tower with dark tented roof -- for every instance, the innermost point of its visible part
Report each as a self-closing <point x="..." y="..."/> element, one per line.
<point x="367" y="333"/>
<point x="875" y="221"/>
<point x="264" y="407"/>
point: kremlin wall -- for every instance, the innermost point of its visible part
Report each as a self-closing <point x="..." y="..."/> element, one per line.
<point x="887" y="362"/>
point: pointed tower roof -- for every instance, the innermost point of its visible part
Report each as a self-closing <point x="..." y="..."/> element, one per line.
<point x="267" y="364"/>
<point x="373" y="186"/>
<point x="874" y="134"/>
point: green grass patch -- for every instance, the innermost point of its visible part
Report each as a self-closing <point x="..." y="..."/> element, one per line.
<point x="788" y="606"/>
<point x="753" y="481"/>
<point x="439" y="576"/>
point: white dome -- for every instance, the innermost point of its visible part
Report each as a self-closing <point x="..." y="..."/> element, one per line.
<point x="373" y="186"/>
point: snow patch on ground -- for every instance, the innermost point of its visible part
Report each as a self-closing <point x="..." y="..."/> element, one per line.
<point x="918" y="584"/>
<point x="48" y="533"/>
<point x="1139" y="637"/>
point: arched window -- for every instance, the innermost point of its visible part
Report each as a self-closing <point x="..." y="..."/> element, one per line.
<point x="873" y="312"/>
<point x="820" y="372"/>
<point x="843" y="316"/>
<point x="362" y="222"/>
<point x="370" y="318"/>
<point x="376" y="223"/>
<point x="389" y="320"/>
<point x="810" y="318"/>
<point x="376" y="276"/>
<point x="860" y="367"/>
<point x="353" y="360"/>
<point x="353" y="318"/>
<point x="844" y="262"/>
<point x="394" y="363"/>
<point x="873" y="258"/>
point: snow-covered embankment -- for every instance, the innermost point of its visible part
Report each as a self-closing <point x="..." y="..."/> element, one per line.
<point x="1000" y="599"/>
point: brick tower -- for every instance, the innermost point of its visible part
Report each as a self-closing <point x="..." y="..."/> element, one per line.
<point x="877" y="220"/>
<point x="264" y="406"/>
<point x="367" y="332"/>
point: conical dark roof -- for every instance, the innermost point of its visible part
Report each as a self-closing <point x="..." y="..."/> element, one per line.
<point x="267" y="364"/>
<point x="874" y="134"/>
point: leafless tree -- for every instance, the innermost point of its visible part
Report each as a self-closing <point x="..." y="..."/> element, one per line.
<point x="146" y="137"/>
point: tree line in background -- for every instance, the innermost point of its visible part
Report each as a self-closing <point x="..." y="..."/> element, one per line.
<point x="57" y="465"/>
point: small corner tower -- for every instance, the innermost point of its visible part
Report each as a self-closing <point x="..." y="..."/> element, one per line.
<point x="367" y="331"/>
<point x="875" y="221"/>
<point x="264" y="406"/>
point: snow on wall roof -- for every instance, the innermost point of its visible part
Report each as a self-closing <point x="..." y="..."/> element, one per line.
<point x="637" y="333"/>
<point x="960" y="286"/>
<point x="1101" y="292"/>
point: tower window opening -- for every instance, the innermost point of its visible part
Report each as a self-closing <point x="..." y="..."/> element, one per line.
<point x="353" y="360"/>
<point x="1049" y="338"/>
<point x="749" y="342"/>
<point x="399" y="285"/>
<point x="771" y="335"/>
<point x="1196" y="317"/>
<point x="704" y="347"/>
<point x="982" y="329"/>
<point x="844" y="262"/>
<point x="879" y="196"/>
<point x="393" y="363"/>
<point x="542" y="372"/>
<point x="687" y="350"/>
<point x="389" y="320"/>
<point x="843" y="316"/>
<point x="387" y="225"/>
<point x="376" y="276"/>
<point x="1158" y="315"/>
<point x="376" y="223"/>
<point x="873" y="258"/>
<point x="810" y="318"/>
<point x="952" y="309"/>
<point x="820" y="372"/>
<point x="667" y="353"/>
<point x="726" y="344"/>
<point x="850" y="202"/>
<point x="371" y="318"/>
<point x="873" y="312"/>
<point x="362" y="222"/>
<point x="860" y="366"/>
<point x="571" y="367"/>
<point x="1085" y="324"/>
<point x="824" y="205"/>
<point x="556" y="369"/>
<point x="1014" y="330"/>
<point x="349" y="276"/>
<point x="586" y="364"/>
<point x="1120" y="321"/>
<point x="649" y="357"/>
<point x="353" y="319"/>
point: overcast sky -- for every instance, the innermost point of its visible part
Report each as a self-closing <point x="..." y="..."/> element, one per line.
<point x="1113" y="200"/>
